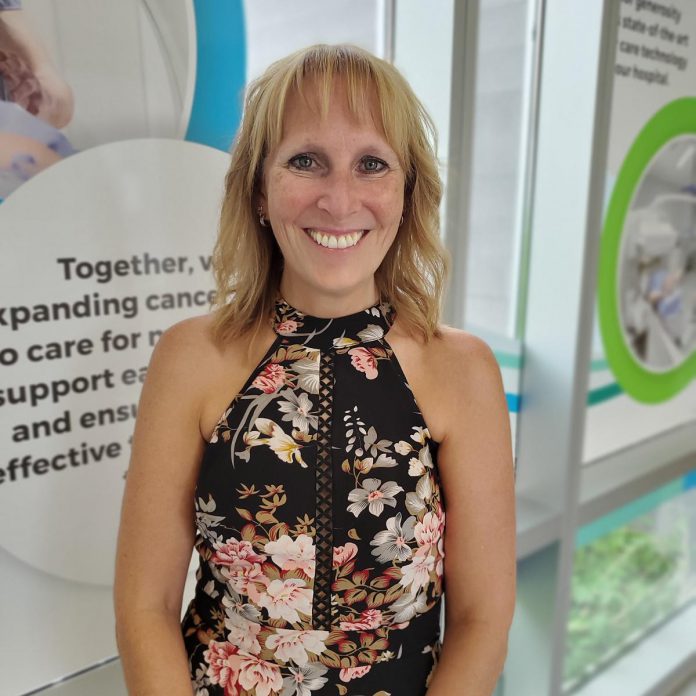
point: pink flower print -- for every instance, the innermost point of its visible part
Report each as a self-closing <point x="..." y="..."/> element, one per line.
<point x="270" y="379"/>
<point x="364" y="361"/>
<point x="236" y="554"/>
<point x="286" y="327"/>
<point x="223" y="665"/>
<point x="369" y="619"/>
<point x="259" y="677"/>
<point x="286" y="599"/>
<point x="291" y="554"/>
<point x="343" y="554"/>
<point x="246" y="580"/>
<point x="348" y="673"/>
<point x="429" y="530"/>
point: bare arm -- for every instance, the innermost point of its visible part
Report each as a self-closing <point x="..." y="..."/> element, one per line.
<point x="475" y="461"/>
<point x="157" y="520"/>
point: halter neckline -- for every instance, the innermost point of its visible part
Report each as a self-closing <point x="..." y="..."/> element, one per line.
<point x="325" y="333"/>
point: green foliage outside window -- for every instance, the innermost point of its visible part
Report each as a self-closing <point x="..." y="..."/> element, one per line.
<point x="623" y="583"/>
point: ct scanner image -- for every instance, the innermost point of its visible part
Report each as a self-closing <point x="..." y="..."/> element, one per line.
<point x="657" y="276"/>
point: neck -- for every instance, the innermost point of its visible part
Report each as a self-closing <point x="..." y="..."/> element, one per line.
<point x="328" y="305"/>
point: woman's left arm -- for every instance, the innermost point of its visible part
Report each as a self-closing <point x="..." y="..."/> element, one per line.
<point x="476" y="468"/>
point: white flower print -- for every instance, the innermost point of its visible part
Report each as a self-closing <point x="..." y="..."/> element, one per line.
<point x="307" y="370"/>
<point x="242" y="632"/>
<point x="403" y="447"/>
<point x="233" y="602"/>
<point x="374" y="496"/>
<point x="291" y="554"/>
<point x="210" y="590"/>
<point x="417" y="573"/>
<point x="286" y="599"/>
<point x="294" y="645"/>
<point x="285" y="447"/>
<point x="407" y="606"/>
<point x="221" y="422"/>
<point x="373" y="445"/>
<point x="415" y="467"/>
<point x="372" y="332"/>
<point x="304" y="679"/>
<point x="420" y="435"/>
<point x="426" y="457"/>
<point x="251" y="438"/>
<point x="392" y="544"/>
<point x="298" y="409"/>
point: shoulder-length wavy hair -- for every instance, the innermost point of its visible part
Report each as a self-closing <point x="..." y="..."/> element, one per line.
<point x="247" y="262"/>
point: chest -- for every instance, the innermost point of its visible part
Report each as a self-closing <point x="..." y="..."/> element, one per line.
<point x="323" y="451"/>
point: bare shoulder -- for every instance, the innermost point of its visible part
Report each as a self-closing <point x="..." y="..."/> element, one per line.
<point x="467" y="371"/>
<point x="461" y="355"/>
<point x="207" y="373"/>
<point x="189" y="339"/>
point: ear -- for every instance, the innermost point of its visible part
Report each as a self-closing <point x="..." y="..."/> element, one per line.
<point x="260" y="201"/>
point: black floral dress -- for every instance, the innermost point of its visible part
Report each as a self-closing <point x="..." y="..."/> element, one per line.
<point x="320" y="523"/>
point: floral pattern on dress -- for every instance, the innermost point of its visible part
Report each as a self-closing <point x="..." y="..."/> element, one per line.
<point x="249" y="629"/>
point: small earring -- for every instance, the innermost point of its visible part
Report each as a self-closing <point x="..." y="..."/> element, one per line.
<point x="401" y="222"/>
<point x="262" y="218"/>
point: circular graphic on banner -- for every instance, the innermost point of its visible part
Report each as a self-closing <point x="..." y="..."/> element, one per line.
<point x="101" y="253"/>
<point x="647" y="270"/>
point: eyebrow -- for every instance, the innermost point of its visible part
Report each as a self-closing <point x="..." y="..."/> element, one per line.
<point x="314" y="148"/>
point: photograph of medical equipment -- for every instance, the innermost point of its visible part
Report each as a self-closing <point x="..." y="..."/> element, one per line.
<point x="657" y="274"/>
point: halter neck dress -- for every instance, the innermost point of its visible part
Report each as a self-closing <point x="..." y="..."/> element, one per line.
<point x="320" y="523"/>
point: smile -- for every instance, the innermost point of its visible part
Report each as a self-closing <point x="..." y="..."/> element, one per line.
<point x="333" y="241"/>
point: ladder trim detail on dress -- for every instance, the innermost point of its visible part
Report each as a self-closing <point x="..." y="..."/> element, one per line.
<point x="323" y="571"/>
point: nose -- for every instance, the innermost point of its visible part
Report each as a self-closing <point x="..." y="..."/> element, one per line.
<point x="339" y="195"/>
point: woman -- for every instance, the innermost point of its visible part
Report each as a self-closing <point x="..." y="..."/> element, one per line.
<point x="319" y="495"/>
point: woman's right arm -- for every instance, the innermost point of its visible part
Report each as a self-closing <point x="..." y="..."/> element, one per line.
<point x="157" y="528"/>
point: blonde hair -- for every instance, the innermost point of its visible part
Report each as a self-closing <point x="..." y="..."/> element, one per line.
<point x="247" y="262"/>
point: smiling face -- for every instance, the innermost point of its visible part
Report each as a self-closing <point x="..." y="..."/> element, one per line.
<point x="333" y="190"/>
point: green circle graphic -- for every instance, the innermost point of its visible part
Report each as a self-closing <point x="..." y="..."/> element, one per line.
<point x="676" y="119"/>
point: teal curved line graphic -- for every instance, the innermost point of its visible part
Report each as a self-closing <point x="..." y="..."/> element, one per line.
<point x="220" y="72"/>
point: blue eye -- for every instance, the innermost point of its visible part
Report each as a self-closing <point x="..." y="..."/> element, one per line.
<point x="302" y="161"/>
<point x="373" y="164"/>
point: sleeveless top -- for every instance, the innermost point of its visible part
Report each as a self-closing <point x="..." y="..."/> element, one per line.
<point x="320" y="522"/>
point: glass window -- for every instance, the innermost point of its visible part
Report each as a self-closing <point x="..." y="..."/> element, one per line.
<point x="633" y="569"/>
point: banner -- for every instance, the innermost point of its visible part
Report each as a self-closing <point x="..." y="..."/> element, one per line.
<point x="115" y="121"/>
<point x="643" y="376"/>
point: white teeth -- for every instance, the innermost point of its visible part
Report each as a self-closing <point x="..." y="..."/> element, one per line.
<point x="331" y="241"/>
